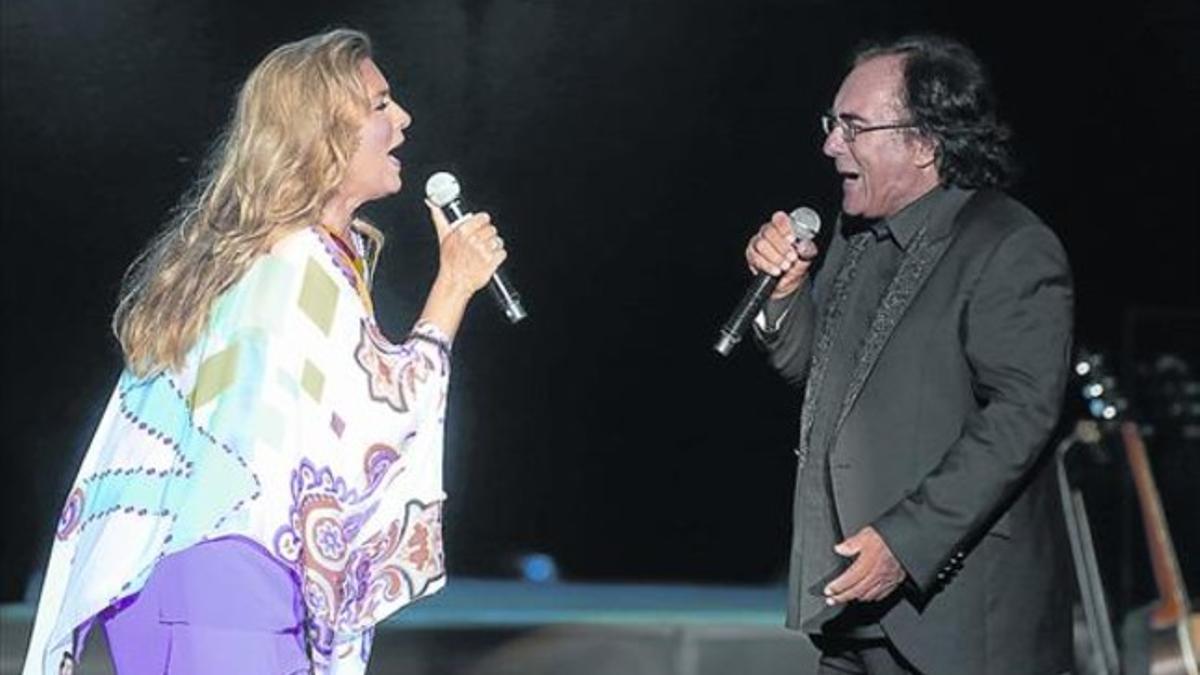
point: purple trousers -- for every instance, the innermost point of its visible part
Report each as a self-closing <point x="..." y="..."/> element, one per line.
<point x="222" y="606"/>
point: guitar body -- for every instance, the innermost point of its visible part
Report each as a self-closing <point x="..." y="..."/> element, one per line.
<point x="1170" y="647"/>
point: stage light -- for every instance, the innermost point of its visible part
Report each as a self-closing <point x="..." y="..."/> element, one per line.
<point x="537" y="567"/>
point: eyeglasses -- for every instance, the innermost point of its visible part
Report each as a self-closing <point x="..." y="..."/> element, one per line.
<point x="851" y="130"/>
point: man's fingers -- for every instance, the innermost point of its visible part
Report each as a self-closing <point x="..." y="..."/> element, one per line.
<point x="775" y="250"/>
<point x="788" y="278"/>
<point x="854" y="592"/>
<point x="852" y="577"/>
<point x="876" y="584"/>
<point x="782" y="225"/>
<point x="882" y="589"/>
<point x="850" y="545"/>
<point x="876" y="591"/>
<point x="780" y="239"/>
<point x="874" y="574"/>
<point x="771" y="255"/>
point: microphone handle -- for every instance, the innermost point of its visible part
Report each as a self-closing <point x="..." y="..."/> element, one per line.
<point x="503" y="291"/>
<point x="506" y="296"/>
<point x="731" y="333"/>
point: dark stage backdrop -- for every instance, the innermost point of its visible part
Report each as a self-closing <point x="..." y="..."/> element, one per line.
<point x="627" y="150"/>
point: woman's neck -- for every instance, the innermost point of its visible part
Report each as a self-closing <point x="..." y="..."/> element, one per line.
<point x="338" y="214"/>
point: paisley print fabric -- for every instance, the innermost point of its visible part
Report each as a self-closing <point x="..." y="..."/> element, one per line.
<point x="294" y="423"/>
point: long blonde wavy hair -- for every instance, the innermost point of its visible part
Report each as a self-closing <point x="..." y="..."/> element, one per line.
<point x="277" y="164"/>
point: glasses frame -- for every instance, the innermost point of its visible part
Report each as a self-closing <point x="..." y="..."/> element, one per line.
<point x="851" y="130"/>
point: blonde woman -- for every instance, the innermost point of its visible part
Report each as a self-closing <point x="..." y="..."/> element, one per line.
<point x="265" y="485"/>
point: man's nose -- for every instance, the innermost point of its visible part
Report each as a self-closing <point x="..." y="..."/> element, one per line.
<point x="835" y="143"/>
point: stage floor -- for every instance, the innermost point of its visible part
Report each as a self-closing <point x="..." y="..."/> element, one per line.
<point x="489" y="627"/>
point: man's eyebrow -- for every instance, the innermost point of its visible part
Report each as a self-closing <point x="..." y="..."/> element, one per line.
<point x="851" y="117"/>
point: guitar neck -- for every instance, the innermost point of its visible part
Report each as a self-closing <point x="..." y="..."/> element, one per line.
<point x="1174" y="607"/>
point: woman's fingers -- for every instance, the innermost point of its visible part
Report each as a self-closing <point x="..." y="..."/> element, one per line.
<point x="440" y="224"/>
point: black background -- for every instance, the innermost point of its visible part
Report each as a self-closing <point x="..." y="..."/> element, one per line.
<point x="627" y="150"/>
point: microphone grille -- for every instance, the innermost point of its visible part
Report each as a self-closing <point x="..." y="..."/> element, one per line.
<point x="805" y="222"/>
<point x="442" y="188"/>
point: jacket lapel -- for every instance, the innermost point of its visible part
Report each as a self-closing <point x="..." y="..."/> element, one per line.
<point x="830" y="321"/>
<point x="915" y="267"/>
<point x="923" y="254"/>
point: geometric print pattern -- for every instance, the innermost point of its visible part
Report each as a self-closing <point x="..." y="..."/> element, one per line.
<point x="295" y="423"/>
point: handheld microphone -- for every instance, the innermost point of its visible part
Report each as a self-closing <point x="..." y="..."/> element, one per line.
<point x="443" y="190"/>
<point x="805" y="225"/>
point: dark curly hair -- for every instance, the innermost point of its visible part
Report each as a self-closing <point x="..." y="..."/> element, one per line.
<point x="949" y="97"/>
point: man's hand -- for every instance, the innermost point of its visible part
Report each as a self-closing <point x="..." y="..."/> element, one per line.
<point x="874" y="574"/>
<point x="775" y="250"/>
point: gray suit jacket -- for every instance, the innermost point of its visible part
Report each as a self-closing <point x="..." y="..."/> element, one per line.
<point x="939" y="442"/>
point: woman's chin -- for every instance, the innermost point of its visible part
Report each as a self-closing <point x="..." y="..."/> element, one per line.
<point x="390" y="188"/>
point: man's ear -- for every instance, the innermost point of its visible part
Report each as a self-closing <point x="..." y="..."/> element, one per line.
<point x="927" y="152"/>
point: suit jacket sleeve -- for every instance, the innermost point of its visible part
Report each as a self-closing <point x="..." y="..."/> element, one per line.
<point x="1017" y="340"/>
<point x="789" y="349"/>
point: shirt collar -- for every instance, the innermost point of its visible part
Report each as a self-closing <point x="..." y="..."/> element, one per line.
<point x="904" y="225"/>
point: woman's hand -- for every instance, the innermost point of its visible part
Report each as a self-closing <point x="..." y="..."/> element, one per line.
<point x="470" y="252"/>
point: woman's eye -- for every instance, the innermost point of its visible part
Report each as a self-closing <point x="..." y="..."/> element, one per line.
<point x="382" y="105"/>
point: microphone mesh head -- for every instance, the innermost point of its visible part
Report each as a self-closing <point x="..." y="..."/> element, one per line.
<point x="442" y="188"/>
<point x="805" y="222"/>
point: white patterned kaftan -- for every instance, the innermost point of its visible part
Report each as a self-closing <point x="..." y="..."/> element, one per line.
<point x="294" y="423"/>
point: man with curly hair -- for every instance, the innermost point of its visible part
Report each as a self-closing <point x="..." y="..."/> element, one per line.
<point x="932" y="340"/>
